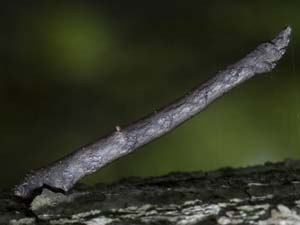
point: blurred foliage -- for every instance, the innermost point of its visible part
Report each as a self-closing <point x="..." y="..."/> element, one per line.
<point x="71" y="71"/>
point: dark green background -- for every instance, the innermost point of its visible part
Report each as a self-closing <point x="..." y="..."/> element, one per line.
<point x="72" y="71"/>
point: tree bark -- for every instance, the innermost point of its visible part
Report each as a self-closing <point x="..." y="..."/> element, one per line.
<point x="265" y="195"/>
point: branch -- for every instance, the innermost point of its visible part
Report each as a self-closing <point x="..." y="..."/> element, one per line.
<point x="63" y="174"/>
<point x="263" y="195"/>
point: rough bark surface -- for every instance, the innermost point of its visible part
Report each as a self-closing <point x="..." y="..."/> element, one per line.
<point x="268" y="194"/>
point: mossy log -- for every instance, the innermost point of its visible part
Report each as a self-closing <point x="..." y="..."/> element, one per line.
<point x="267" y="194"/>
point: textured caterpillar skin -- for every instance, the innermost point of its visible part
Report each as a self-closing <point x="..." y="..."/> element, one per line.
<point x="63" y="174"/>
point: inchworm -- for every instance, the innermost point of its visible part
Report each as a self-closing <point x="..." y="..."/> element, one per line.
<point x="64" y="173"/>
